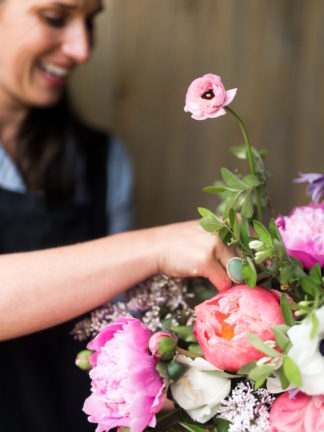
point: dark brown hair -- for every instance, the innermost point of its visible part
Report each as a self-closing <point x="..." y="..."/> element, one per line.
<point x="41" y="152"/>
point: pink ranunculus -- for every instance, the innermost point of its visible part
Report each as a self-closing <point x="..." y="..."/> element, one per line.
<point x="126" y="388"/>
<point x="303" y="234"/>
<point x="222" y="324"/>
<point x="206" y="97"/>
<point x="301" y="413"/>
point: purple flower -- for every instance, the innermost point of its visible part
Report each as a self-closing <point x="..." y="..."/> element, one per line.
<point x="316" y="185"/>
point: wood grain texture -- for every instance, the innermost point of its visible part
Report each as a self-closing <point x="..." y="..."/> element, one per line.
<point x="148" y="51"/>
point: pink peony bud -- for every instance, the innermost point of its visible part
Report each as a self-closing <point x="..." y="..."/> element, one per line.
<point x="206" y="97"/>
<point x="301" y="413"/>
<point x="162" y="345"/>
<point x="223" y="322"/>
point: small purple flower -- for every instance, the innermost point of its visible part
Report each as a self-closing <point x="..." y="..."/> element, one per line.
<point x="316" y="185"/>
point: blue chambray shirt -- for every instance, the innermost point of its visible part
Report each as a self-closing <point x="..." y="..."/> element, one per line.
<point x="119" y="200"/>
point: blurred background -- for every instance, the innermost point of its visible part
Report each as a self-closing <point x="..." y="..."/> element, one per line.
<point x="148" y="52"/>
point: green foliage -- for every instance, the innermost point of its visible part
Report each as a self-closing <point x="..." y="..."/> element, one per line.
<point x="192" y="428"/>
<point x="286" y="311"/>
<point x="282" y="340"/>
<point x="262" y="346"/>
<point x="291" y="371"/>
<point x="176" y="370"/>
<point x="259" y="374"/>
<point x="314" y="326"/>
<point x="249" y="273"/>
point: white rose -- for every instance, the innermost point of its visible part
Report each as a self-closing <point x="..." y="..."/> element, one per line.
<point x="200" y="391"/>
<point x="308" y="354"/>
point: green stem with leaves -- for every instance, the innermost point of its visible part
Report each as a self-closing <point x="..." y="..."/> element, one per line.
<point x="249" y="156"/>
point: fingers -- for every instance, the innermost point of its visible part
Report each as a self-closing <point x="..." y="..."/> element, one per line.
<point x="216" y="273"/>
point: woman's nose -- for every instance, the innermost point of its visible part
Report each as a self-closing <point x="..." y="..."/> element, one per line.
<point x="77" y="43"/>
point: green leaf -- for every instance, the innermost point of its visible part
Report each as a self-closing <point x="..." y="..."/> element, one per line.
<point x="311" y="286"/>
<point x="239" y="152"/>
<point x="249" y="273"/>
<point x="226" y="236"/>
<point x="260" y="373"/>
<point x="284" y="381"/>
<point x="222" y="425"/>
<point x="211" y="224"/>
<point x="162" y="370"/>
<point x="124" y="429"/>
<point x="245" y="232"/>
<point x="234" y="224"/>
<point x="264" y="234"/>
<point x="286" y="311"/>
<point x="231" y="203"/>
<point x="282" y="339"/>
<point x="184" y="332"/>
<point x="232" y="180"/>
<point x="262" y="346"/>
<point x="291" y="371"/>
<point x="205" y="212"/>
<point x="176" y="370"/>
<point x="273" y="229"/>
<point x="245" y="369"/>
<point x="166" y="324"/>
<point x="314" y="326"/>
<point x="215" y="189"/>
<point x="252" y="181"/>
<point x="316" y="272"/>
<point x="247" y="207"/>
<point x="195" y="348"/>
<point x="192" y="428"/>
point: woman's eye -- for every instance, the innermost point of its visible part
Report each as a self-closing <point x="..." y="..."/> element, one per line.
<point x="54" y="21"/>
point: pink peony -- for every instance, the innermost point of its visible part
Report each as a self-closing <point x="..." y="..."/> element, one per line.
<point x="301" y="413"/>
<point x="126" y="388"/>
<point x="223" y="322"/>
<point x="206" y="97"/>
<point x="303" y="234"/>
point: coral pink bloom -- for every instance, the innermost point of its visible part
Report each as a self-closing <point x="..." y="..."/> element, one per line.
<point x="303" y="234"/>
<point x="301" y="413"/>
<point x="222" y="324"/>
<point x="206" y="97"/>
<point x="126" y="388"/>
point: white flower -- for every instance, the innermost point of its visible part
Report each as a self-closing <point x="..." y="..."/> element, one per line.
<point x="306" y="353"/>
<point x="200" y="391"/>
<point x="256" y="244"/>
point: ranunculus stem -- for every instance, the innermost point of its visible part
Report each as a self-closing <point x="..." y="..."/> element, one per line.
<point x="187" y="353"/>
<point x="249" y="156"/>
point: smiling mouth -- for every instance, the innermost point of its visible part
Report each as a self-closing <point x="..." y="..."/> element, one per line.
<point x="54" y="71"/>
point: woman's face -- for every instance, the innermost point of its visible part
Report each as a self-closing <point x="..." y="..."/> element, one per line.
<point x="41" y="43"/>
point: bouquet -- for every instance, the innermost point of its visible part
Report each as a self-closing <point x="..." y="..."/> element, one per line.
<point x="174" y="356"/>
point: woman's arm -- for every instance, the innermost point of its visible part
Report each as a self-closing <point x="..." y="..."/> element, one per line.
<point x="44" y="288"/>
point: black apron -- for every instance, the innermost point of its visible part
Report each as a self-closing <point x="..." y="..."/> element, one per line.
<point x="41" y="389"/>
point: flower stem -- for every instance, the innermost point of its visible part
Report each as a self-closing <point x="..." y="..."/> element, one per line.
<point x="249" y="156"/>
<point x="187" y="353"/>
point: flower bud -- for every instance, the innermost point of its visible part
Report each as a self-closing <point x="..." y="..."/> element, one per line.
<point x="255" y="244"/>
<point x="162" y="345"/>
<point x="83" y="360"/>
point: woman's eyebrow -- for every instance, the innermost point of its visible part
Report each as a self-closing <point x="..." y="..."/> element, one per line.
<point x="72" y="7"/>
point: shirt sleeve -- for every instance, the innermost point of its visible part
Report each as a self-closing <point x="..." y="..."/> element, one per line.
<point x="120" y="188"/>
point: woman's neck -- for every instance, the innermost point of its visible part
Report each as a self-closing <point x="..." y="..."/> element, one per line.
<point x="11" y="118"/>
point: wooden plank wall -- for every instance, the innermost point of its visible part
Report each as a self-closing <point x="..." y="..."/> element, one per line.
<point x="148" y="51"/>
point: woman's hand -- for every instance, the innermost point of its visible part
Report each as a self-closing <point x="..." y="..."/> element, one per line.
<point x="185" y="249"/>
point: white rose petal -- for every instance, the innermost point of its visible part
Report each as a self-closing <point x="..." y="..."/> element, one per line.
<point x="306" y="354"/>
<point x="199" y="392"/>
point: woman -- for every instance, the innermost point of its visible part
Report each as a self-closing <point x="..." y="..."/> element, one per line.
<point x="53" y="192"/>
